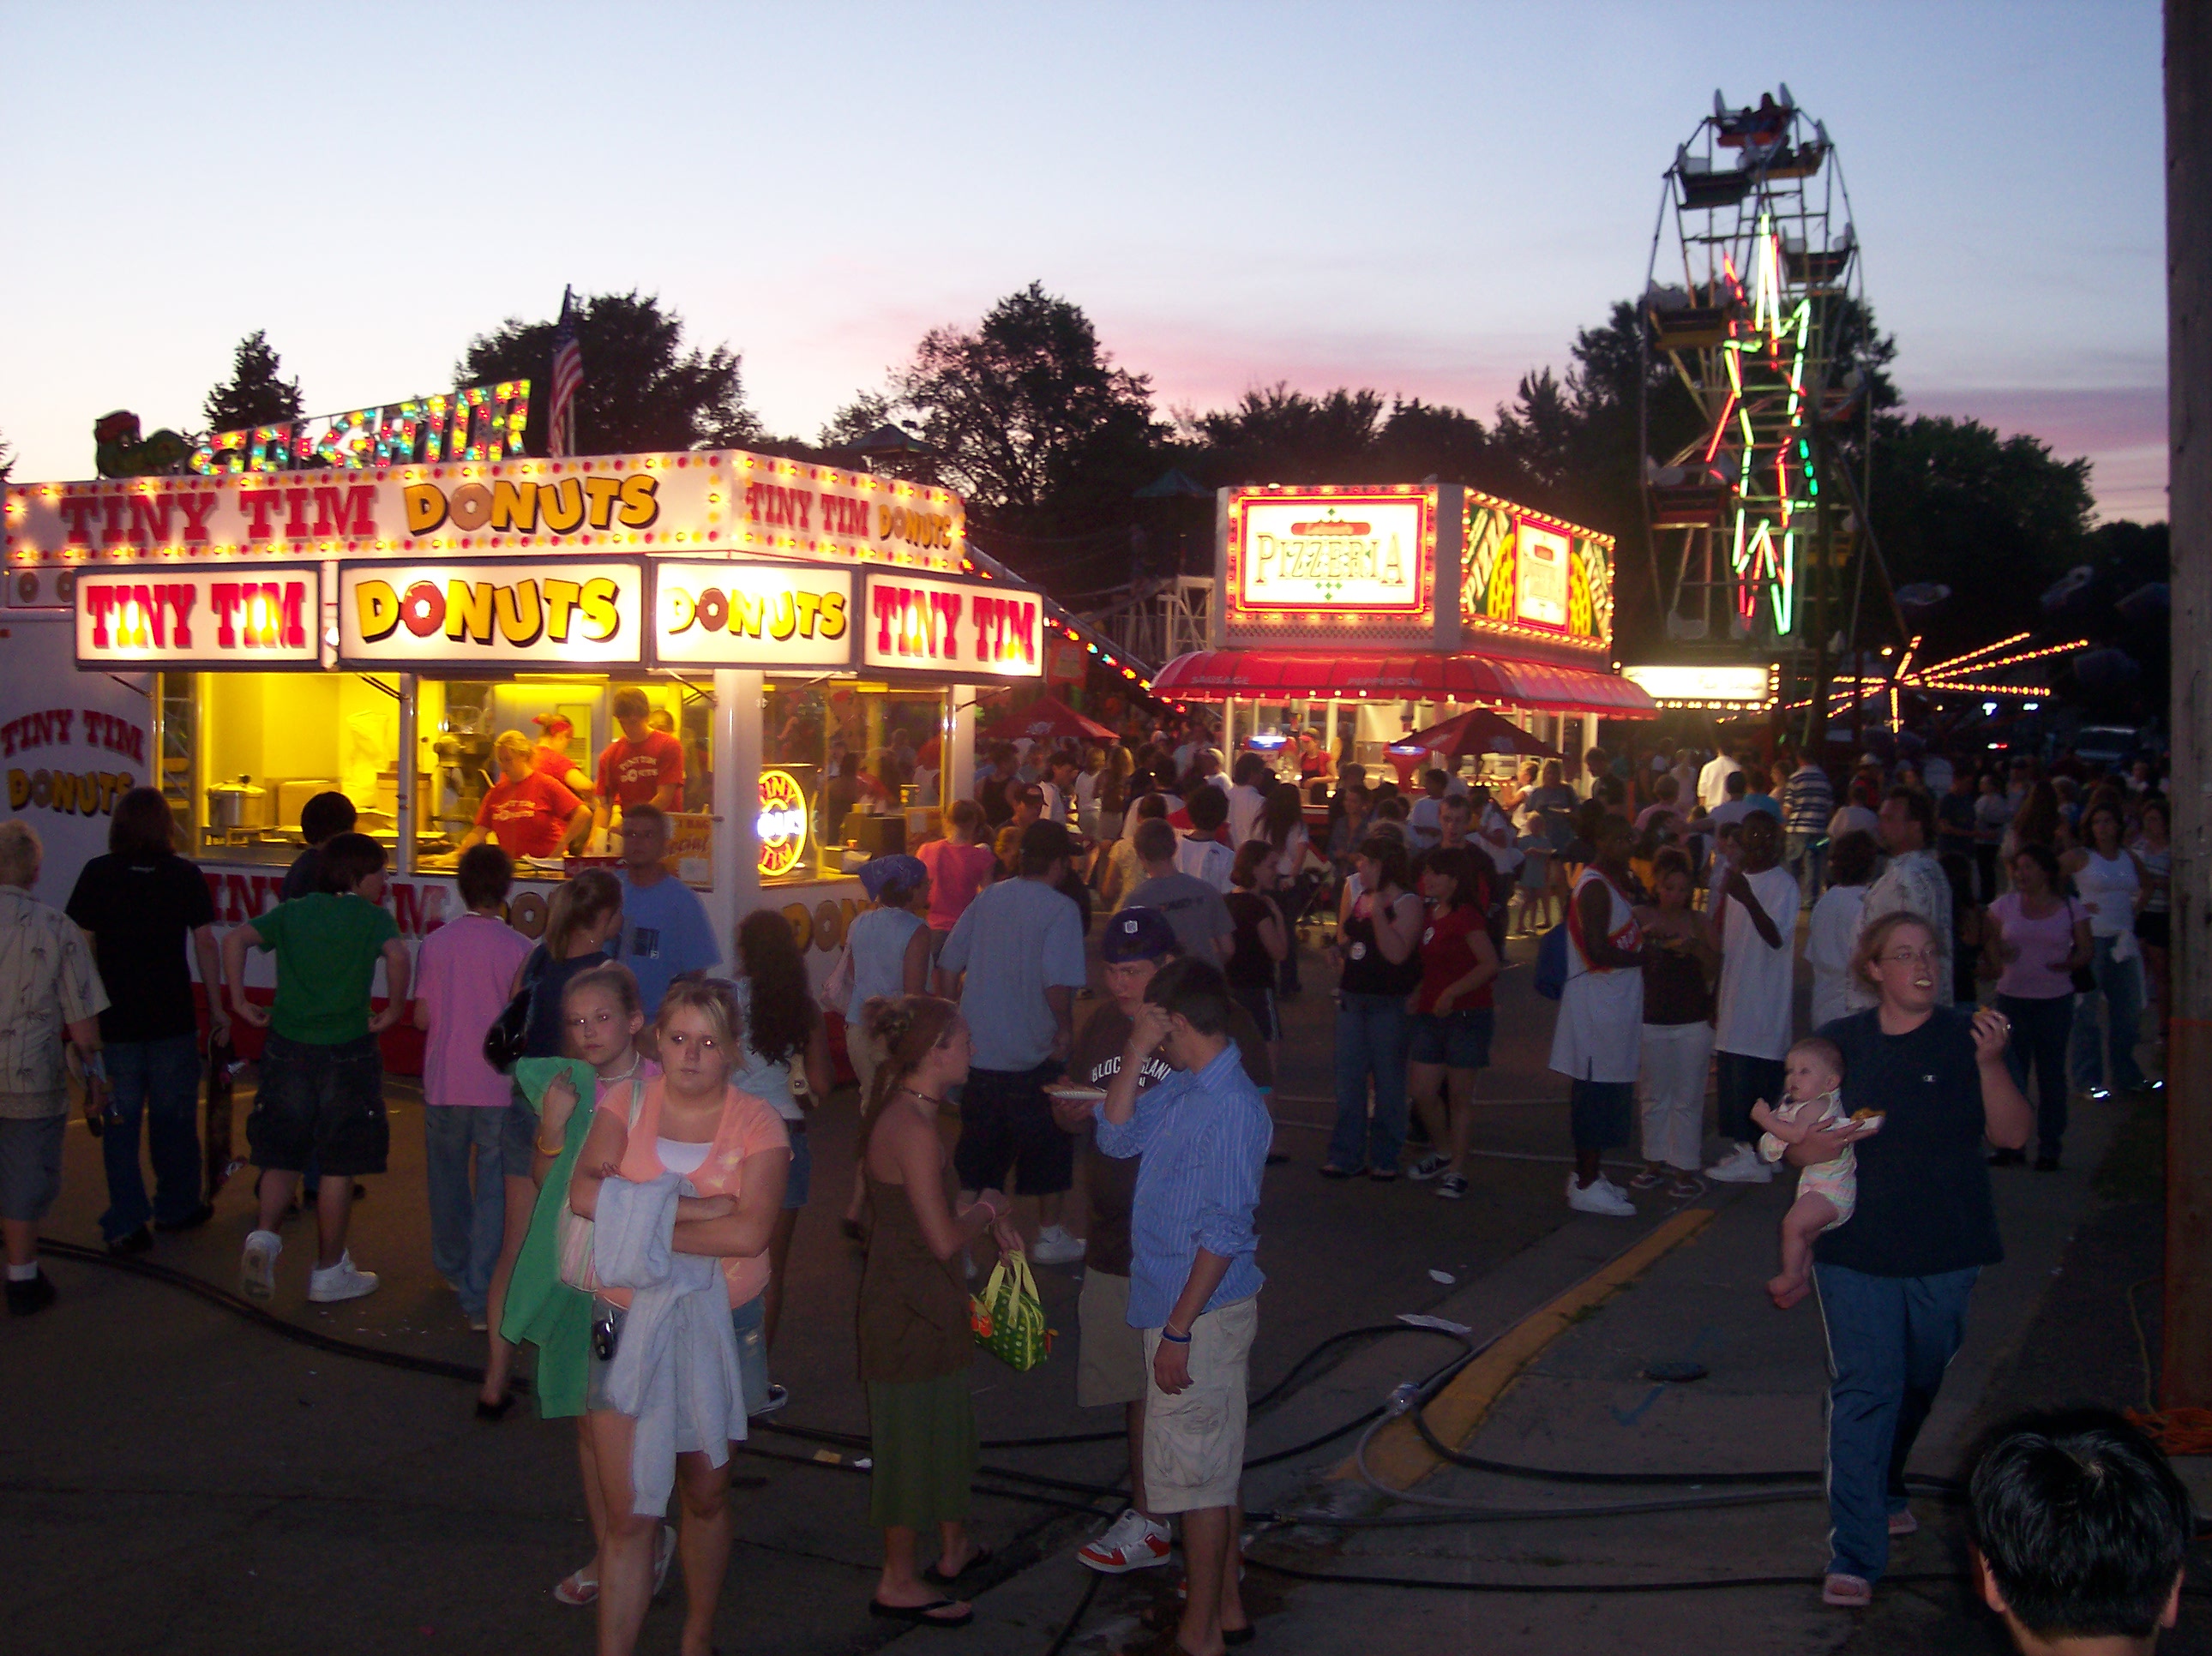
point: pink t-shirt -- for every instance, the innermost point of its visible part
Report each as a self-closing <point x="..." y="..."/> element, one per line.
<point x="956" y="873"/>
<point x="749" y="1127"/>
<point x="2039" y="971"/>
<point x="462" y="972"/>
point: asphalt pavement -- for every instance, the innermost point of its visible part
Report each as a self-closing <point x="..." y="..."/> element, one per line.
<point x="181" y="1479"/>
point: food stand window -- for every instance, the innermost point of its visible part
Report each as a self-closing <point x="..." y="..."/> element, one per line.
<point x="811" y="727"/>
<point x="261" y="745"/>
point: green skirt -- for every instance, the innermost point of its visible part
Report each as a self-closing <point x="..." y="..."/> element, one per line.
<point x="922" y="1435"/>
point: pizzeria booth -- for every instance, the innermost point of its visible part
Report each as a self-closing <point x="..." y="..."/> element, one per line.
<point x="262" y="637"/>
<point x="1373" y="612"/>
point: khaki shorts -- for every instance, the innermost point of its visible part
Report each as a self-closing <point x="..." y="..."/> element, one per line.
<point x="1194" y="1440"/>
<point x="1110" y="1368"/>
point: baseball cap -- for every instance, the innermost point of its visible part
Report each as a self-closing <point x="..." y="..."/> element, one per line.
<point x="894" y="869"/>
<point x="554" y="724"/>
<point x="1137" y="934"/>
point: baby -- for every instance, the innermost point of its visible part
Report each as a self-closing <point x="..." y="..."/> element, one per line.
<point x="1826" y="1192"/>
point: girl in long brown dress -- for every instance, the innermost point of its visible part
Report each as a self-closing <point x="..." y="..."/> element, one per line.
<point x="914" y="1339"/>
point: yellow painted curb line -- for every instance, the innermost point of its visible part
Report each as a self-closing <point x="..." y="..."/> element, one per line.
<point x="1399" y="1458"/>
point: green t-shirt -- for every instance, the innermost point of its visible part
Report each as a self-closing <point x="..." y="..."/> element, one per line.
<point x="327" y="948"/>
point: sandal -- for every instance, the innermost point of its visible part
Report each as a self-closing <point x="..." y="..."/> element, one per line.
<point x="936" y="1575"/>
<point x="1846" y="1592"/>
<point x="924" y="1615"/>
<point x="578" y="1589"/>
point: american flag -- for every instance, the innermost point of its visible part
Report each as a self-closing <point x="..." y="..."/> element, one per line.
<point x="568" y="377"/>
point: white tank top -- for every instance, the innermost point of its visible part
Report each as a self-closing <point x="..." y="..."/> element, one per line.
<point x="678" y="1157"/>
<point x="2107" y="886"/>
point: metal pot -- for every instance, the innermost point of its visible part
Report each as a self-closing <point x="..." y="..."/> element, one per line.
<point x="237" y="806"/>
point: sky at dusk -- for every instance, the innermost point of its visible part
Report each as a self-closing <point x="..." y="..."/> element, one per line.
<point x="1425" y="199"/>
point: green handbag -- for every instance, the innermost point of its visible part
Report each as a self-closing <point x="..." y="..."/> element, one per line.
<point x="1008" y="1317"/>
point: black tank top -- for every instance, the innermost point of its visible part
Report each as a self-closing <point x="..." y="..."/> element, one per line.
<point x="1367" y="970"/>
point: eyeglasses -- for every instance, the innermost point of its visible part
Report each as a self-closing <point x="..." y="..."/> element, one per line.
<point x="1912" y="957"/>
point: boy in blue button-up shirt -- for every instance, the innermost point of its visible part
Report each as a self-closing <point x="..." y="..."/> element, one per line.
<point x="1202" y="1137"/>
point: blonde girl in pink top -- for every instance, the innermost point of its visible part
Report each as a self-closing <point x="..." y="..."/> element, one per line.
<point x="735" y="1151"/>
<point x="958" y="866"/>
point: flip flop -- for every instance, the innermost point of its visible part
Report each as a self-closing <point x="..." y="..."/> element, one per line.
<point x="577" y="1589"/>
<point x="919" y="1615"/>
<point x="935" y="1574"/>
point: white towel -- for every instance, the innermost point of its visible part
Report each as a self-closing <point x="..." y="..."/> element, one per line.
<point x="675" y="1368"/>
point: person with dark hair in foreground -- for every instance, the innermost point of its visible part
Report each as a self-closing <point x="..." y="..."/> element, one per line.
<point x="1201" y="1139"/>
<point x="2080" y="1530"/>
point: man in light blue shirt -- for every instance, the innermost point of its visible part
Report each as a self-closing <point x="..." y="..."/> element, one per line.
<point x="1201" y="1135"/>
<point x="665" y="929"/>
<point x="1017" y="957"/>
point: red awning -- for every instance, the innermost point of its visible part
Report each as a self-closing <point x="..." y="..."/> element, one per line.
<point x="1217" y="674"/>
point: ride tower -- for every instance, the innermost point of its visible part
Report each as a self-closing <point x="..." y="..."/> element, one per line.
<point x="1754" y="305"/>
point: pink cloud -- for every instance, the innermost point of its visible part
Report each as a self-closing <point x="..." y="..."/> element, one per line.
<point x="2119" y="429"/>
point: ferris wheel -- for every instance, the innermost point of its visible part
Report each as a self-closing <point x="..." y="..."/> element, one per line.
<point x="1755" y="304"/>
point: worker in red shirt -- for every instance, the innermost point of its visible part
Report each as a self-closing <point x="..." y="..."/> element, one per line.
<point x="529" y="815"/>
<point x="639" y="766"/>
<point x="553" y="761"/>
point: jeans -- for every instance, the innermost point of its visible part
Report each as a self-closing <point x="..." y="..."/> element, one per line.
<point x="465" y="1219"/>
<point x="1890" y="1338"/>
<point x="161" y="1081"/>
<point x="1742" y="1082"/>
<point x="2040" y="1031"/>
<point x="1371" y="1033"/>
<point x="1808" y="860"/>
<point x="2120" y="983"/>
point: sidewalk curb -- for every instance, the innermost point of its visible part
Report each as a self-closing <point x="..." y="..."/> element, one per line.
<point x="1399" y="1458"/>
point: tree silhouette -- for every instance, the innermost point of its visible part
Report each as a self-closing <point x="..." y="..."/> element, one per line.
<point x="643" y="392"/>
<point x="253" y="395"/>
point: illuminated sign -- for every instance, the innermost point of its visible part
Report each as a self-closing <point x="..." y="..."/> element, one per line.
<point x="1314" y="552"/>
<point x="491" y="612"/>
<point x="1703" y="686"/>
<point x="957" y="627"/>
<point x="247" y="615"/>
<point x="751" y="615"/>
<point x="780" y="826"/>
<point x="715" y="503"/>
<point x="1525" y="576"/>
<point x="482" y="422"/>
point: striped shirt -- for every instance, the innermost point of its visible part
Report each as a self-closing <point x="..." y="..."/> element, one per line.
<point x="1807" y="800"/>
<point x="47" y="980"/>
<point x="1203" y="1139"/>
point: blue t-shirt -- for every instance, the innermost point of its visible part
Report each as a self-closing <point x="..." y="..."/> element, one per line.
<point x="1018" y="938"/>
<point x="665" y="932"/>
<point x="878" y="940"/>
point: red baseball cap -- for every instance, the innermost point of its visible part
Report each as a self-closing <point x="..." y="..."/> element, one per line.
<point x="554" y="724"/>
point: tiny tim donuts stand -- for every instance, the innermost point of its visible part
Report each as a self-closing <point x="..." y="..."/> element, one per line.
<point x="1368" y="612"/>
<point x="248" y="639"/>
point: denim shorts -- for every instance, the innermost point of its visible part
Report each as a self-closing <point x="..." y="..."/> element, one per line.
<point x="518" y="1134"/>
<point x="320" y="1102"/>
<point x="1006" y="1126"/>
<point x="1458" y="1041"/>
<point x="30" y="1166"/>
<point x="799" y="1182"/>
<point x="749" y="1322"/>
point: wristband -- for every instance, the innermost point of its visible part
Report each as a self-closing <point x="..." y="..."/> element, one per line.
<point x="542" y="1150"/>
<point x="1174" y="1339"/>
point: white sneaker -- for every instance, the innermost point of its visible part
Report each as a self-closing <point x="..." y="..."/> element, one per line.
<point x="1054" y="1246"/>
<point x="340" y="1282"/>
<point x="1135" y="1543"/>
<point x="257" y="1271"/>
<point x="1601" y="1196"/>
<point x="1742" y="1166"/>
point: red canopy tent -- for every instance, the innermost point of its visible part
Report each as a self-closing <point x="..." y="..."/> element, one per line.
<point x="1049" y="719"/>
<point x="1477" y="730"/>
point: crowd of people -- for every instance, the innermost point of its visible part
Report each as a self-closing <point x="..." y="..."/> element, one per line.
<point x="616" y="1119"/>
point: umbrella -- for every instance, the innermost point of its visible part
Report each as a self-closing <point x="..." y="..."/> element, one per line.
<point x="1049" y="719"/>
<point x="1477" y="730"/>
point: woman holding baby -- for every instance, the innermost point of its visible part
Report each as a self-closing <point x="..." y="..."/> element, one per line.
<point x="1894" y="1280"/>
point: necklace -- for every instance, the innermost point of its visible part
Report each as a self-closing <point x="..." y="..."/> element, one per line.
<point x="637" y="1060"/>
<point x="926" y="1098"/>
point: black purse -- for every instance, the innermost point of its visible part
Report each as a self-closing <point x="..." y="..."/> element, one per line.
<point x="505" y="1040"/>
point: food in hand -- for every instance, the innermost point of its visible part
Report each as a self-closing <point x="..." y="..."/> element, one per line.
<point x="1867" y="1120"/>
<point x="1075" y="1093"/>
